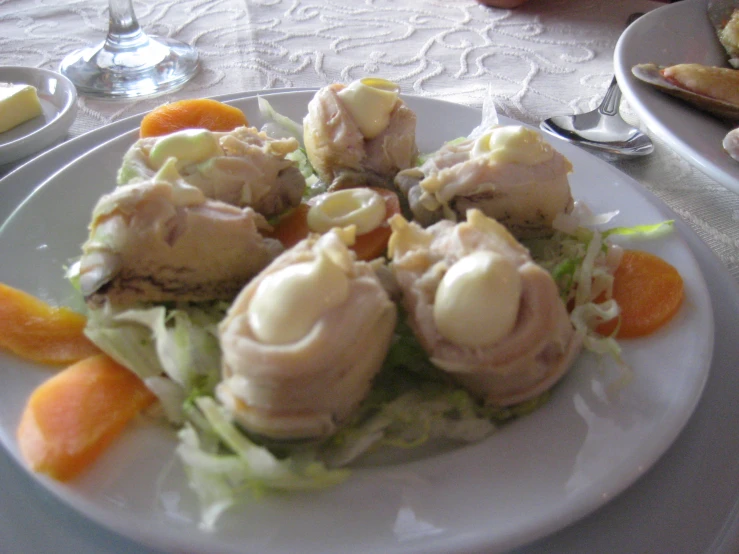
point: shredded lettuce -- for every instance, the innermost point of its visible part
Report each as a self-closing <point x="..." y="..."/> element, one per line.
<point x="580" y="260"/>
<point x="278" y="124"/>
<point x="221" y="472"/>
<point x="174" y="351"/>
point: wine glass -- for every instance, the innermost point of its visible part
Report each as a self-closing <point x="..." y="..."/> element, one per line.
<point x="129" y="63"/>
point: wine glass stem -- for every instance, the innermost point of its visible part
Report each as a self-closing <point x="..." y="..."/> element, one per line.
<point x="124" y="29"/>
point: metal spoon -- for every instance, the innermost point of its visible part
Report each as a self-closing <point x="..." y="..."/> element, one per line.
<point x="602" y="130"/>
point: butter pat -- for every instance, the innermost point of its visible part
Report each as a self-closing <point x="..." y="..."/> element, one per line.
<point x="18" y="104"/>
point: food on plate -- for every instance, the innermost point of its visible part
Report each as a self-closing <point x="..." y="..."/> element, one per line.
<point x="162" y="240"/>
<point x="243" y="167"/>
<point x="359" y="134"/>
<point x="717" y="82"/>
<point x="724" y="16"/>
<point x="303" y="341"/>
<point x="70" y="419"/>
<point x="729" y="37"/>
<point x="509" y="173"/>
<point x="282" y="354"/>
<point x="481" y="308"/>
<point x="195" y="113"/>
<point x="367" y="208"/>
<point x="649" y="292"/>
<point x="36" y="331"/>
<point x="18" y="104"/>
<point x="731" y="143"/>
<point x="711" y="89"/>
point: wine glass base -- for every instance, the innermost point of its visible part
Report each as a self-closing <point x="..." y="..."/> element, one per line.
<point x="155" y="66"/>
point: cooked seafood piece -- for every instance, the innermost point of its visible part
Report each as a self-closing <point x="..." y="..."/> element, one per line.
<point x="359" y="135"/>
<point x="731" y="143"/>
<point x="724" y="15"/>
<point x="162" y="240"/>
<point x="303" y="341"/>
<point x="243" y="167"/>
<point x="510" y="173"/>
<point x="481" y="308"/>
<point x="712" y="89"/>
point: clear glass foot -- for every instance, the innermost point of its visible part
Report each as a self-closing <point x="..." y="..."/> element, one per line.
<point x="129" y="63"/>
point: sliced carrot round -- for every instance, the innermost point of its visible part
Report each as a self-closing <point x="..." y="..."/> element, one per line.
<point x="71" y="418"/>
<point x="196" y="113"/>
<point x="36" y="331"/>
<point x="293" y="227"/>
<point x="649" y="292"/>
<point x="373" y="244"/>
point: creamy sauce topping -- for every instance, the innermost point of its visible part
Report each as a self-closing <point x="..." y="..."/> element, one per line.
<point x="513" y="144"/>
<point x="289" y="302"/>
<point x="363" y="208"/>
<point x="370" y="102"/>
<point x="477" y="300"/>
<point x="190" y="146"/>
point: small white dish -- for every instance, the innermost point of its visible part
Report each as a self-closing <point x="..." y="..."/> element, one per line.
<point x="59" y="103"/>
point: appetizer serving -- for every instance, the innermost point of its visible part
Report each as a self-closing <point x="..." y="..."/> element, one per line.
<point x="280" y="350"/>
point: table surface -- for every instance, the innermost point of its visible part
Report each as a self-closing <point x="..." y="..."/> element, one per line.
<point x="548" y="57"/>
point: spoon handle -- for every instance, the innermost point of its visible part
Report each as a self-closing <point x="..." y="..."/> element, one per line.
<point x="612" y="100"/>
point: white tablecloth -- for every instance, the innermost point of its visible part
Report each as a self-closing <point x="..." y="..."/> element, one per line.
<point x="548" y="57"/>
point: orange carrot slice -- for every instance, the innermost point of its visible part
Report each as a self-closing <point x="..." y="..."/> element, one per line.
<point x="70" y="419"/>
<point x="196" y="113"/>
<point x="649" y="291"/>
<point x="38" y="332"/>
<point x="373" y="244"/>
<point x="293" y="227"/>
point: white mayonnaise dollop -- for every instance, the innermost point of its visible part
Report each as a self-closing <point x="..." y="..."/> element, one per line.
<point x="361" y="207"/>
<point x="190" y="146"/>
<point x="513" y="144"/>
<point x="370" y="102"/>
<point x="289" y="302"/>
<point x="477" y="300"/>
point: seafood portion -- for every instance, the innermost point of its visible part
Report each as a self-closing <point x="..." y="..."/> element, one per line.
<point x="731" y="143"/>
<point x="243" y="167"/>
<point x="162" y="240"/>
<point x="481" y="308"/>
<point x="711" y="89"/>
<point x="359" y="135"/>
<point x="724" y="16"/>
<point x="302" y="342"/>
<point x="510" y="173"/>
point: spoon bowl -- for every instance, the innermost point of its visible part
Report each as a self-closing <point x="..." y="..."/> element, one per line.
<point x="601" y="130"/>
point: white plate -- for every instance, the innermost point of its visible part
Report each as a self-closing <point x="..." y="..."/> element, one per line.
<point x="673" y="34"/>
<point x="58" y="99"/>
<point x="533" y="477"/>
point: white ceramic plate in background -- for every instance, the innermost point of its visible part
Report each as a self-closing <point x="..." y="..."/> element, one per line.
<point x="535" y="476"/>
<point x="58" y="99"/>
<point x="673" y="34"/>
